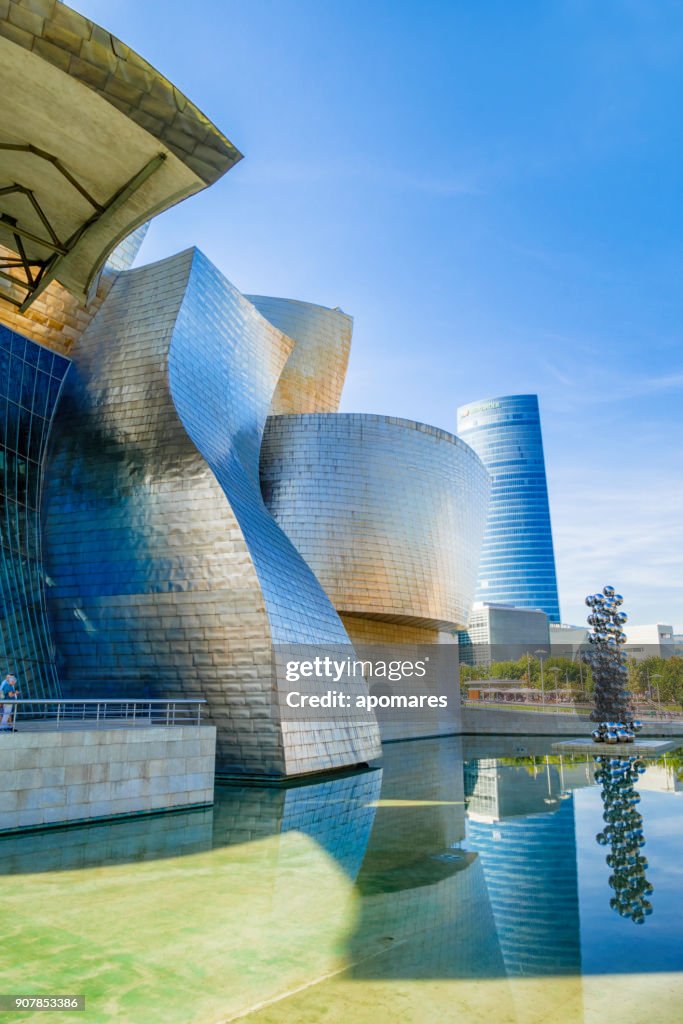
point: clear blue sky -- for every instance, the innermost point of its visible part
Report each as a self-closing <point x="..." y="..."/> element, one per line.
<point x="493" y="191"/>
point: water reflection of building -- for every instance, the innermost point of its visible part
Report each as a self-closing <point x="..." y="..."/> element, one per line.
<point x="521" y="823"/>
<point x="663" y="778"/>
<point x="494" y="790"/>
<point x="337" y="814"/>
<point x="259" y="887"/>
<point x="424" y="910"/>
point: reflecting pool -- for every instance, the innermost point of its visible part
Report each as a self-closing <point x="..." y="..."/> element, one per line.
<point x="461" y="881"/>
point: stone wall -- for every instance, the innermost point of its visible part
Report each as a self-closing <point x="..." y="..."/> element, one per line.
<point x="52" y="777"/>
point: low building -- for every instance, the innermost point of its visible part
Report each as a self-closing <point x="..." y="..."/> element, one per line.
<point x="656" y="640"/>
<point x="502" y="632"/>
<point x="566" y="640"/>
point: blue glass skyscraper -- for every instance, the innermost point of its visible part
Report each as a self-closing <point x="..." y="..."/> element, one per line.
<point x="517" y="562"/>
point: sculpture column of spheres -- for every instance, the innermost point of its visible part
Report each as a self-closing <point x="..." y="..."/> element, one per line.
<point x="623" y="831"/>
<point x="610" y="674"/>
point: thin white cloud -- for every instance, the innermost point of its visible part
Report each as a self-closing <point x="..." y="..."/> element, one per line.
<point x="627" y="531"/>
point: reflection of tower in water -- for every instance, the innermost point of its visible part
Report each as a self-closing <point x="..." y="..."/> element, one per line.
<point x="423" y="910"/>
<point x="521" y="823"/>
<point x="623" y="831"/>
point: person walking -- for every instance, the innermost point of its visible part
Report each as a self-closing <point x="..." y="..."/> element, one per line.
<point x="8" y="694"/>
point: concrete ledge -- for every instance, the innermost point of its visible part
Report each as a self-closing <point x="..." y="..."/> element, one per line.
<point x="513" y="721"/>
<point x="523" y="723"/>
<point x="56" y="778"/>
<point x="640" y="748"/>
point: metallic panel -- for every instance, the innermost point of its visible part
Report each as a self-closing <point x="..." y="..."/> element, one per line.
<point x="31" y="379"/>
<point x="170" y="575"/>
<point x="517" y="560"/>
<point x="314" y="374"/>
<point x="388" y="513"/>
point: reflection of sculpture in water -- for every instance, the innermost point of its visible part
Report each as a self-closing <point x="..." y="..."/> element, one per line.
<point x="624" y="833"/>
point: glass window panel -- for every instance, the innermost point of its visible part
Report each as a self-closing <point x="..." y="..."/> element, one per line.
<point x="28" y="381"/>
<point x="18" y="346"/>
<point x="21" y="479"/>
<point x="36" y="439"/>
<point x="33" y="477"/>
<point x="41" y="393"/>
<point x="11" y="426"/>
<point x="45" y="359"/>
<point x="31" y="355"/>
<point x="23" y="431"/>
<point x="4" y="369"/>
<point x="54" y="393"/>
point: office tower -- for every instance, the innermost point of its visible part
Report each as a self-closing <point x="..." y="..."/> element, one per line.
<point x="517" y="562"/>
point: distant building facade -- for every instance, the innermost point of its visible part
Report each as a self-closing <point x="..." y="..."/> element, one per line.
<point x="517" y="562"/>
<point x="655" y="640"/>
<point x="566" y="639"/>
<point x="501" y="632"/>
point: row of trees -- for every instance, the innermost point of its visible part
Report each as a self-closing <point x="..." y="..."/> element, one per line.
<point x="558" y="673"/>
<point x="659" y="679"/>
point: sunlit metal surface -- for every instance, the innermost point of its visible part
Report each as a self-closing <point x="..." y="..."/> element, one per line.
<point x="171" y="577"/>
<point x="389" y="513"/>
<point x="313" y="376"/>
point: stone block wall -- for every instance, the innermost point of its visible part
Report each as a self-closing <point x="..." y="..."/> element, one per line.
<point x="52" y="777"/>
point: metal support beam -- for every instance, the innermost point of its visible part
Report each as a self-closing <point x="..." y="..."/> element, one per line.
<point x="20" y="147"/>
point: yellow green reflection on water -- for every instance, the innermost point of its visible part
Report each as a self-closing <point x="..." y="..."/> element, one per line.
<point x="355" y="900"/>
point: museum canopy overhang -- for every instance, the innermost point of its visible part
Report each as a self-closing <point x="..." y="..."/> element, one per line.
<point x="93" y="143"/>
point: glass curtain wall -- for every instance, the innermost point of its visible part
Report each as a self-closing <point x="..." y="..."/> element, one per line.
<point x="30" y="382"/>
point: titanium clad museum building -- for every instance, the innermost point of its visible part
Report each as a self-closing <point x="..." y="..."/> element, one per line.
<point x="178" y="490"/>
<point x="517" y="561"/>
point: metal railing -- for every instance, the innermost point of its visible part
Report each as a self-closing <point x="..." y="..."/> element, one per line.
<point x="104" y="714"/>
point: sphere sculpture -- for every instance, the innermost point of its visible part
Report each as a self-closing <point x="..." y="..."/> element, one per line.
<point x="608" y="662"/>
<point x="623" y="832"/>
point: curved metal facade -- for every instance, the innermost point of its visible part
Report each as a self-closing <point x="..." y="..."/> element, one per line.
<point x="31" y="379"/>
<point x="314" y="374"/>
<point x="169" y="572"/>
<point x="387" y="512"/>
<point x="517" y="560"/>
